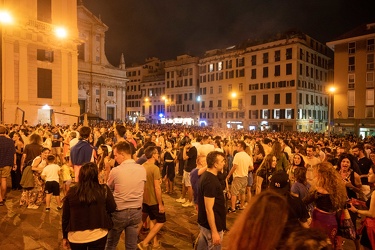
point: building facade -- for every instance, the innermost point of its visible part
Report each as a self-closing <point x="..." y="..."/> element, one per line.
<point x="39" y="61"/>
<point x="145" y="91"/>
<point x="101" y="86"/>
<point x="278" y="85"/>
<point x="354" y="81"/>
<point x="182" y="90"/>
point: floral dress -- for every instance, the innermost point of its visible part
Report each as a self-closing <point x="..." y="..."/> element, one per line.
<point x="36" y="195"/>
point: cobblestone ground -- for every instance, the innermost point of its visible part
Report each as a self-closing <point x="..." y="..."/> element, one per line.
<point x="22" y="228"/>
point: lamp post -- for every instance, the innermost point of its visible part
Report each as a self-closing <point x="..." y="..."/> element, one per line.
<point x="5" y="18"/>
<point x="331" y="91"/>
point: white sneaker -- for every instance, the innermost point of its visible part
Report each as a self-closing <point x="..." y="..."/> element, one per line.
<point x="188" y="204"/>
<point x="32" y="206"/>
<point x="181" y="200"/>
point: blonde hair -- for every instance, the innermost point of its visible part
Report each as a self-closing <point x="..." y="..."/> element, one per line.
<point x="329" y="179"/>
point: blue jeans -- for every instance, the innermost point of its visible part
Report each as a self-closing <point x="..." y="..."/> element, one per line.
<point x="205" y="239"/>
<point x="127" y="220"/>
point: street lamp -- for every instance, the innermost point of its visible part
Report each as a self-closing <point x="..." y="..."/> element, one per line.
<point x="331" y="91"/>
<point x="5" y="18"/>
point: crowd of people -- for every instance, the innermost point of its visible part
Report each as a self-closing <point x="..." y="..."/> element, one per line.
<point x="287" y="185"/>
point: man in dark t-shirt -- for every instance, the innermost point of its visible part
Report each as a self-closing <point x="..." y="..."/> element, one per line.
<point x="211" y="203"/>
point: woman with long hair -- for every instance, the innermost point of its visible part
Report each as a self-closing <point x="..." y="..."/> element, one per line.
<point x="262" y="223"/>
<point x="31" y="150"/>
<point x="282" y="161"/>
<point x="169" y="156"/>
<point x="329" y="196"/>
<point x="34" y="197"/>
<point x="368" y="230"/>
<point x="16" y="170"/>
<point x="353" y="184"/>
<point x="264" y="173"/>
<point x="258" y="155"/>
<point x="297" y="162"/>
<point x="103" y="154"/>
<point x="86" y="211"/>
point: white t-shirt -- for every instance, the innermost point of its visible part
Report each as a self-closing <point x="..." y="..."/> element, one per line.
<point x="51" y="172"/>
<point x="243" y="161"/>
<point x="204" y="149"/>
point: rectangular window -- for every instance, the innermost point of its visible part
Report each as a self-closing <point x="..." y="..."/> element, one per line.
<point x="44" y="83"/>
<point x="370" y="61"/>
<point x="240" y="87"/>
<point x="211" y="104"/>
<point x="351" y="65"/>
<point x="277" y="55"/>
<point x="350" y="112"/>
<point x="229" y="87"/>
<point x="110" y="93"/>
<point x="307" y="99"/>
<point x="265" y="113"/>
<point x="44" y="55"/>
<point x="220" y="66"/>
<point x="211" y="67"/>
<point x="288" y="69"/>
<point x="370" y="79"/>
<point x="211" y="90"/>
<point x="288" y="113"/>
<point x="351" y="48"/>
<point x="229" y="64"/>
<point x="369" y="112"/>
<point x="277" y="99"/>
<point x="351" y="98"/>
<point x="370" y="45"/>
<point x="253" y="100"/>
<point x="229" y="104"/>
<point x="81" y="51"/>
<point x="219" y="90"/>
<point x="203" y="104"/>
<point x="265" y="72"/>
<point x="253" y="73"/>
<point x="300" y="99"/>
<point x="219" y="103"/>
<point x="265" y="57"/>
<point x="240" y="62"/>
<point x="289" y="54"/>
<point x="253" y="60"/>
<point x="351" y="81"/>
<point x="277" y="70"/>
<point x="369" y="97"/>
<point x="288" y="98"/>
<point x="44" y="11"/>
<point x="265" y="99"/>
<point x="276" y="113"/>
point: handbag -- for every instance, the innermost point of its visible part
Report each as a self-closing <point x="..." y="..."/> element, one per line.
<point x="345" y="225"/>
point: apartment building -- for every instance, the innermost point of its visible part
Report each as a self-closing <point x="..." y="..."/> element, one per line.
<point x="145" y="92"/>
<point x="354" y="81"/>
<point x="101" y="86"/>
<point x="181" y="91"/>
<point x="278" y="85"/>
<point x="39" y="61"/>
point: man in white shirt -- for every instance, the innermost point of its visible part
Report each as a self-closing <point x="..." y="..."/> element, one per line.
<point x="242" y="164"/>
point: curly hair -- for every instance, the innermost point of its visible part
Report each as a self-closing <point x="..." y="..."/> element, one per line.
<point x="328" y="178"/>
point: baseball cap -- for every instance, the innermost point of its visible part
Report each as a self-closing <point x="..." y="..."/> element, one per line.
<point x="280" y="182"/>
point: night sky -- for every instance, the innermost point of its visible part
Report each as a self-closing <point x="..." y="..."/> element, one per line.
<point x="168" y="28"/>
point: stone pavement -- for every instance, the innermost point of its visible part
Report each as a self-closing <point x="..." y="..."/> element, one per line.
<point x="22" y="228"/>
